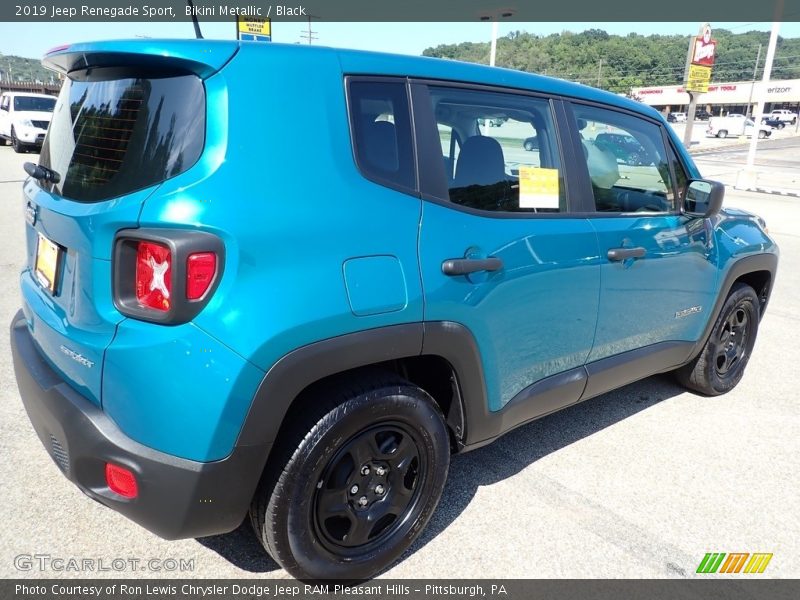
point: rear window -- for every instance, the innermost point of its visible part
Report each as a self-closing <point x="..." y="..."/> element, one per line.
<point x="110" y="137"/>
<point x="32" y="103"/>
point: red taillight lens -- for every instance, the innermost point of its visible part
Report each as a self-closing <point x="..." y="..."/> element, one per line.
<point x="121" y="481"/>
<point x="153" y="276"/>
<point x="200" y="270"/>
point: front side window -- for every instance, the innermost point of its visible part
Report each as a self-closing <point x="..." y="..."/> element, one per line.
<point x="627" y="161"/>
<point x="499" y="150"/>
<point x="381" y="132"/>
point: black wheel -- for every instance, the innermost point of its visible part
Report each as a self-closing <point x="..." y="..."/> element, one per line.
<point x="721" y="363"/>
<point x="762" y="134"/>
<point x="18" y="148"/>
<point x="781" y="125"/>
<point x="722" y="133"/>
<point x="528" y="145"/>
<point x="357" y="482"/>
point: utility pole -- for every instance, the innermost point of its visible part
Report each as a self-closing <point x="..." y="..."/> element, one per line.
<point x="753" y="83"/>
<point x="308" y="34"/>
<point x="493" y="50"/>
<point x="687" y="133"/>
<point x="747" y="176"/>
<point x="599" y="72"/>
<point x="773" y="41"/>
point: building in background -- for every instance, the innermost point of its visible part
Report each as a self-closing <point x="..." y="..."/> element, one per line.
<point x="724" y="98"/>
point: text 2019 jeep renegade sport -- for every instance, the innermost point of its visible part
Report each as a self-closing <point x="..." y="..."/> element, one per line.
<point x="224" y="311"/>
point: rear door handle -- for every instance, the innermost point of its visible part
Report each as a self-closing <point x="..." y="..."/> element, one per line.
<point x="625" y="253"/>
<point x="464" y="266"/>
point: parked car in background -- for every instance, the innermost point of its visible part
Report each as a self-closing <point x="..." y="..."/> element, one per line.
<point x="783" y="115"/>
<point x="680" y="117"/>
<point x="734" y="125"/>
<point x="531" y="143"/>
<point x="702" y="115"/>
<point x="773" y="122"/>
<point x="24" y="119"/>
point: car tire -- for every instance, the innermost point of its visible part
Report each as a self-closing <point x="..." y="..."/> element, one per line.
<point x="528" y="146"/>
<point x="18" y="147"/>
<point x="720" y="365"/>
<point x="362" y="434"/>
<point x="762" y="134"/>
<point x="722" y="133"/>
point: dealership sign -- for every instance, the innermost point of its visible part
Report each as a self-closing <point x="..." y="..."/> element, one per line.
<point x="702" y="52"/>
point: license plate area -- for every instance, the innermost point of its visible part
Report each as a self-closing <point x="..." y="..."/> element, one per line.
<point x="47" y="266"/>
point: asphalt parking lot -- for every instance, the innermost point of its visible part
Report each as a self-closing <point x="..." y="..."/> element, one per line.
<point x="641" y="482"/>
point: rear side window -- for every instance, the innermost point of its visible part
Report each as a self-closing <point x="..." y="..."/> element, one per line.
<point x="499" y="150"/>
<point x="381" y="132"/>
<point x="110" y="137"/>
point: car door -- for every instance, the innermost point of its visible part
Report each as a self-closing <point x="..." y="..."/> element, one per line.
<point x="658" y="271"/>
<point x="500" y="252"/>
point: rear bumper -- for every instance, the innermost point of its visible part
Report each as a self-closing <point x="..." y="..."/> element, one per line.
<point x="178" y="498"/>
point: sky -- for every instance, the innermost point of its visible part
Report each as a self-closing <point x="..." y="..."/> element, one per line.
<point x="34" y="39"/>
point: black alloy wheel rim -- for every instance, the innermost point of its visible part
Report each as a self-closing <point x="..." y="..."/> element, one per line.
<point x="369" y="488"/>
<point x="733" y="338"/>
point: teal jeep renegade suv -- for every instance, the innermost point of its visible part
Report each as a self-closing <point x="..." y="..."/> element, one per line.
<point x="229" y="312"/>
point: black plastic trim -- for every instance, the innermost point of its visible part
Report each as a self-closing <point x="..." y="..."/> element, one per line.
<point x="621" y="369"/>
<point x="743" y="266"/>
<point x="432" y="177"/>
<point x="182" y="243"/>
<point x="304" y="366"/>
<point x="177" y="498"/>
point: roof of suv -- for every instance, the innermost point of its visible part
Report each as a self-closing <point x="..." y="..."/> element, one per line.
<point x="196" y="53"/>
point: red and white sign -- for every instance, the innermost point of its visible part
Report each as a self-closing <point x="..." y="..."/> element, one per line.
<point x="704" y="48"/>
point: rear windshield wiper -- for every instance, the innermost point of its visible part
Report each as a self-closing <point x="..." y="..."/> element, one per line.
<point x="41" y="173"/>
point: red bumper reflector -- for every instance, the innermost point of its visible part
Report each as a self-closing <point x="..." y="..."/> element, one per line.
<point x="121" y="481"/>
<point x="200" y="270"/>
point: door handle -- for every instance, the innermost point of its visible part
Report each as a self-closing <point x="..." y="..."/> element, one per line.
<point x="464" y="266"/>
<point x="625" y="253"/>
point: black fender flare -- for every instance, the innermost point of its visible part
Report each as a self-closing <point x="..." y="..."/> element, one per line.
<point x="743" y="266"/>
<point x="298" y="369"/>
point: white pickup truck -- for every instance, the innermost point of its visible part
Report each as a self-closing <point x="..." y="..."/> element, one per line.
<point x="785" y="116"/>
<point x="735" y="124"/>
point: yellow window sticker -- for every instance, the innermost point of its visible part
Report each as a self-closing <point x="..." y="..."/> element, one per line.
<point x="538" y="188"/>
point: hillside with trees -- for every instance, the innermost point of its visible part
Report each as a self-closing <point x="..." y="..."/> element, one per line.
<point x="17" y="68"/>
<point x="617" y="63"/>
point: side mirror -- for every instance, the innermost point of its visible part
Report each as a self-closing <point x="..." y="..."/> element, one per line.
<point x="704" y="197"/>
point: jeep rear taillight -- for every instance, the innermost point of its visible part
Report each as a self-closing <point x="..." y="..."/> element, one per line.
<point x="200" y="270"/>
<point x="153" y="276"/>
<point x="165" y="275"/>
